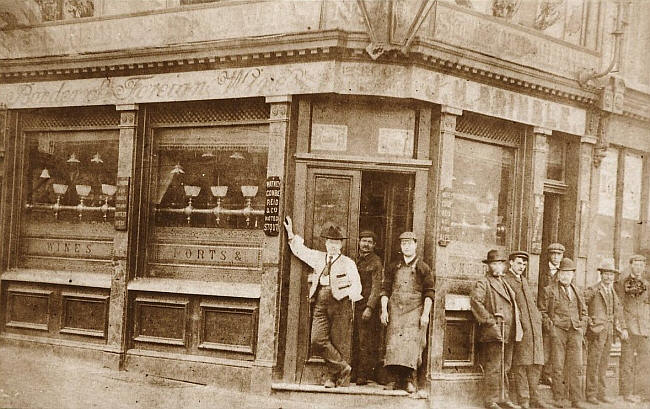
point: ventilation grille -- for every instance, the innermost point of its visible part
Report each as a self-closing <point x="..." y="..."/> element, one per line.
<point x="495" y="129"/>
<point x="82" y="117"/>
<point x="211" y="111"/>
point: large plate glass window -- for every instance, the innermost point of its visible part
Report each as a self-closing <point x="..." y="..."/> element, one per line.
<point x="70" y="186"/>
<point x="605" y="220"/>
<point x="482" y="207"/>
<point x="207" y="193"/>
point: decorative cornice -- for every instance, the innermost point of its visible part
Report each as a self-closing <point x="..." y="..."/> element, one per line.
<point x="309" y="46"/>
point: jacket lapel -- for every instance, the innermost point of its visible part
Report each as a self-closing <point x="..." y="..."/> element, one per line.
<point x="499" y="288"/>
<point x="601" y="290"/>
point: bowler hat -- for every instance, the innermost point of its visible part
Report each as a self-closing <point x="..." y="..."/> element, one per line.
<point x="368" y="233"/>
<point x="567" y="265"/>
<point x="518" y="253"/>
<point x="555" y="248"/>
<point x="408" y="235"/>
<point x="607" y="264"/>
<point x="495" y="255"/>
<point x="637" y="257"/>
<point x="332" y="232"/>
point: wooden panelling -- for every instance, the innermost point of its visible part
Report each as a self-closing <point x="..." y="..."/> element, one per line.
<point x="160" y="321"/>
<point x="84" y="314"/>
<point x="228" y="328"/>
<point x="191" y="324"/>
<point x="28" y="308"/>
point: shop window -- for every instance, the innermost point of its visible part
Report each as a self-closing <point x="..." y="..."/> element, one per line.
<point x="211" y="177"/>
<point x="345" y="126"/>
<point x="69" y="192"/>
<point x="605" y="219"/>
<point x="482" y="207"/>
<point x="555" y="159"/>
<point x="631" y="209"/>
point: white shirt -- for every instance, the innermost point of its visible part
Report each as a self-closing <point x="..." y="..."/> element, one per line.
<point x="317" y="261"/>
<point x="552" y="268"/>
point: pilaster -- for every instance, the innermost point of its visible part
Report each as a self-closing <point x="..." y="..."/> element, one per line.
<point x="534" y="210"/>
<point x="266" y="354"/>
<point x="439" y="221"/>
<point x="116" y="343"/>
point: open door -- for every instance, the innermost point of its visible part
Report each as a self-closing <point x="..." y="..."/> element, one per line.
<point x="332" y="196"/>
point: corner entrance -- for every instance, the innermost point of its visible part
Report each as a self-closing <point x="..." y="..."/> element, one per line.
<point x="356" y="200"/>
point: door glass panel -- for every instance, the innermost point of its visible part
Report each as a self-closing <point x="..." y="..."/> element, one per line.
<point x="386" y="209"/>
<point x="605" y="218"/>
<point x="631" y="228"/>
<point x="331" y="205"/>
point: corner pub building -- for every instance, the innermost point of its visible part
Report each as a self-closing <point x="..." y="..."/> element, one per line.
<point x="152" y="148"/>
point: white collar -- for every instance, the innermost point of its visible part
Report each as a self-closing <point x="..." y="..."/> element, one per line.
<point x="409" y="259"/>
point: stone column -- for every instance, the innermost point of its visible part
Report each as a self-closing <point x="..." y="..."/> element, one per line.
<point x="116" y="344"/>
<point x="266" y="354"/>
<point x="535" y="209"/>
<point x="588" y="183"/>
<point x="438" y="220"/>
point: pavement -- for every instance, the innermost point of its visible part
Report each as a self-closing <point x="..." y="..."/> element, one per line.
<point x="34" y="379"/>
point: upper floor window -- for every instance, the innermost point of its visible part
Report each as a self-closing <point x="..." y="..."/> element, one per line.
<point x="187" y="2"/>
<point x="561" y="19"/>
<point x="65" y="9"/>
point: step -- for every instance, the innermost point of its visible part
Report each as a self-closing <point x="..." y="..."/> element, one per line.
<point x="367" y="396"/>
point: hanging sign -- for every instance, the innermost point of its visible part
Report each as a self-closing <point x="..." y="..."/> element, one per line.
<point x="272" y="206"/>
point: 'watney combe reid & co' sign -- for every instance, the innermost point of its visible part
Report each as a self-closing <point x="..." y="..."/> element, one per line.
<point x="361" y="78"/>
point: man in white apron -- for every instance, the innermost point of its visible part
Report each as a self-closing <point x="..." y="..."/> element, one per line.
<point x="406" y="300"/>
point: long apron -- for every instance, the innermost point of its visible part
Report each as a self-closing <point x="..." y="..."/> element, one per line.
<point x="405" y="340"/>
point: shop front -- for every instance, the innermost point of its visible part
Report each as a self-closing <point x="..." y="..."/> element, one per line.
<point x="142" y="214"/>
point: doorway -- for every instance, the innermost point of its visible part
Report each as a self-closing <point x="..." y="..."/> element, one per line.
<point x="355" y="200"/>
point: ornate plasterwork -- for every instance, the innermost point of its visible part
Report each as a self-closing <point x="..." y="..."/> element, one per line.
<point x="549" y="13"/>
<point x="505" y="8"/>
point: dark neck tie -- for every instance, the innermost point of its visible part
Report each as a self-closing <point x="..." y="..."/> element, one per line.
<point x="328" y="267"/>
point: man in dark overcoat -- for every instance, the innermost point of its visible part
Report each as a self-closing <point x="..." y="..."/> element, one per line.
<point x="547" y="275"/>
<point x="605" y="322"/>
<point x="528" y="355"/>
<point x="495" y="308"/>
<point x="564" y="315"/>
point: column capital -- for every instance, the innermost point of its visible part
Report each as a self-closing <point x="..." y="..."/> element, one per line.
<point x="278" y="99"/>
<point x="589" y="139"/>
<point x="127" y="107"/>
<point x="542" y="131"/>
<point x="446" y="109"/>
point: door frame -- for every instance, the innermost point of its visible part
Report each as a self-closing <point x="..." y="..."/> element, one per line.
<point x="296" y="314"/>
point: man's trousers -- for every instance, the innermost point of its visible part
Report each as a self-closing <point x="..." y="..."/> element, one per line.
<point x="331" y="330"/>
<point x="640" y="377"/>
<point x="567" y="362"/>
<point x="597" y="361"/>
<point x="526" y="378"/>
<point x="491" y="361"/>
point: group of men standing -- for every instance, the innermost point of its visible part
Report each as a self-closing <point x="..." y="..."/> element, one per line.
<point x="349" y="299"/>
<point x="523" y="339"/>
<point x="528" y="341"/>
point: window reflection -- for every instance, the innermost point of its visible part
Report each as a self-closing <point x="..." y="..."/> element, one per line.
<point x="72" y="176"/>
<point x="555" y="159"/>
<point x="482" y="191"/>
<point x="211" y="187"/>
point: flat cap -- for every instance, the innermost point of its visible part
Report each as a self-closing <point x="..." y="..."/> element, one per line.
<point x="518" y="253"/>
<point x="555" y="248"/>
<point x="368" y="233"/>
<point x="408" y="235"/>
<point x="637" y="257"/>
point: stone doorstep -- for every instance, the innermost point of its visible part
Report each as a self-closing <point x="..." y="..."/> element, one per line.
<point x="372" y="397"/>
